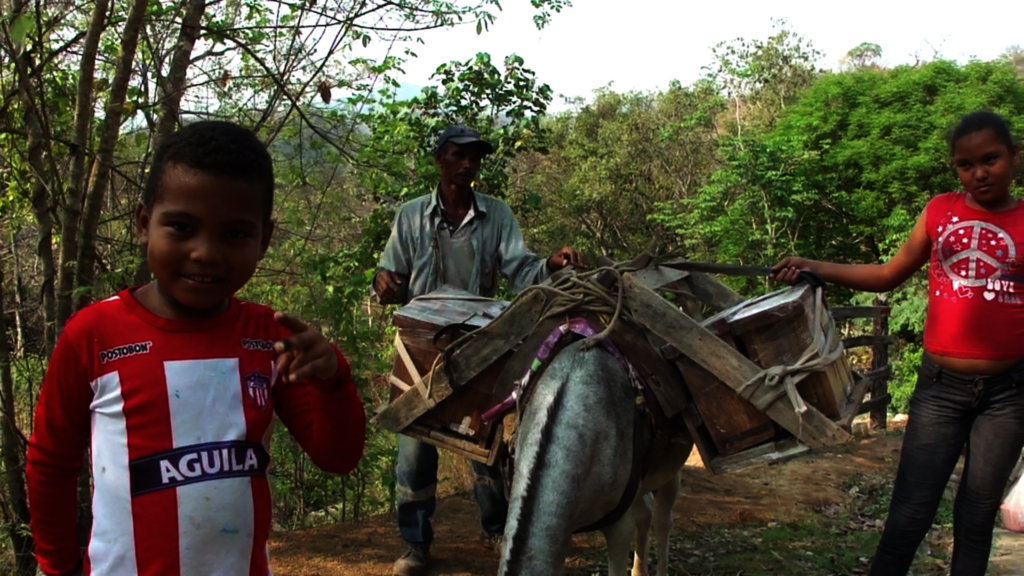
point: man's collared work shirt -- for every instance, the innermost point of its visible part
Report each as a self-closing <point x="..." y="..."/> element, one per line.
<point x="492" y="240"/>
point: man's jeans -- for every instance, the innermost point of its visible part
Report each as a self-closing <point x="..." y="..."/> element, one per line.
<point x="947" y="411"/>
<point x="417" y="487"/>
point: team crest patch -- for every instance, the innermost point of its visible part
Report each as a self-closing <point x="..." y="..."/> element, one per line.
<point x="258" y="386"/>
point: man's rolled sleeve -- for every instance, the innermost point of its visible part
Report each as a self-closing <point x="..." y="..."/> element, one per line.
<point x="397" y="255"/>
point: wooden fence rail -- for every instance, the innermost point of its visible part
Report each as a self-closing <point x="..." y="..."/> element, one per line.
<point x="877" y="379"/>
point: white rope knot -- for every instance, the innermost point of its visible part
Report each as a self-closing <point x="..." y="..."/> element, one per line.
<point x="772" y="377"/>
<point x="818" y="356"/>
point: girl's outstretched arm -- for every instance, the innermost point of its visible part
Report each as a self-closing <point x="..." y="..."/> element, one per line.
<point x="865" y="277"/>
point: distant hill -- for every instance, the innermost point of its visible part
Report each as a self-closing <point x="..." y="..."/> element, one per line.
<point x="407" y="91"/>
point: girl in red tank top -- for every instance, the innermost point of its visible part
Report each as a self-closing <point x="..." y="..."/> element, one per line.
<point x="970" y="387"/>
<point x="976" y="289"/>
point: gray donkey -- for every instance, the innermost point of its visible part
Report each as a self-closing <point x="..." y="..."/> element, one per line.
<point x="574" y="457"/>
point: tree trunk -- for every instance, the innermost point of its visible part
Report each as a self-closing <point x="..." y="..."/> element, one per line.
<point x="19" y="301"/>
<point x="21" y="540"/>
<point x="44" y="247"/>
<point x="98" y="183"/>
<point x="100" y="177"/>
<point x="171" y="89"/>
<point x="72" y="215"/>
<point x="26" y="71"/>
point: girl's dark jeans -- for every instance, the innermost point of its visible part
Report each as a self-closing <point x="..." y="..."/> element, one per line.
<point x="947" y="411"/>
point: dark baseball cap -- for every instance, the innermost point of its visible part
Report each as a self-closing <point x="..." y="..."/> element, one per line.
<point x="458" y="134"/>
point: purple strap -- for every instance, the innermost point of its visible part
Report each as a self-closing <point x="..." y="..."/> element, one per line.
<point x="580" y="326"/>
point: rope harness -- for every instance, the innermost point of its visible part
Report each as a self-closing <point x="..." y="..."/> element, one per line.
<point x="579" y="294"/>
<point x="817" y="357"/>
<point x="573" y="295"/>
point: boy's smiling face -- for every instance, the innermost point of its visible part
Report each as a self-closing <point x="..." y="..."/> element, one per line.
<point x="204" y="236"/>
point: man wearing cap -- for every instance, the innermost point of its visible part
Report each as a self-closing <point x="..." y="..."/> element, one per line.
<point x="465" y="239"/>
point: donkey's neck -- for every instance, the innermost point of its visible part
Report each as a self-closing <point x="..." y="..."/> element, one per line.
<point x="536" y="539"/>
<point x="574" y="431"/>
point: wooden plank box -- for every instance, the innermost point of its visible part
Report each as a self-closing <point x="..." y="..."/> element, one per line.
<point x="426" y="326"/>
<point x="775" y="329"/>
<point x="732" y="423"/>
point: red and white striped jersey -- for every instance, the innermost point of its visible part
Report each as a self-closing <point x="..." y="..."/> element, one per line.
<point x="178" y="413"/>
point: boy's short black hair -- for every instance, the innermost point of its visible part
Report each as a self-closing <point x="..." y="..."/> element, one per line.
<point x="217" y="148"/>
<point x="978" y="121"/>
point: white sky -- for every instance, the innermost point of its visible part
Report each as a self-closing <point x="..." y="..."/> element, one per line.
<point x="643" y="44"/>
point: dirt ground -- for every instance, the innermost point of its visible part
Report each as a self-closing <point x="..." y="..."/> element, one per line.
<point x="1007" y="554"/>
<point x="766" y="494"/>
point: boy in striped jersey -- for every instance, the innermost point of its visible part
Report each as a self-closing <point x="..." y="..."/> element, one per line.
<point x="174" y="384"/>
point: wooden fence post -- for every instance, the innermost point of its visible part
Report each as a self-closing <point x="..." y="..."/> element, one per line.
<point x="879" y="359"/>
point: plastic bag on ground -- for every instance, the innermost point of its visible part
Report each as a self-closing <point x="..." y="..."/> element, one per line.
<point x="1012" y="509"/>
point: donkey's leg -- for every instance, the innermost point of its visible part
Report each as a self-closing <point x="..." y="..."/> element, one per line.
<point x="617" y="537"/>
<point x="642" y="520"/>
<point x="663" y="502"/>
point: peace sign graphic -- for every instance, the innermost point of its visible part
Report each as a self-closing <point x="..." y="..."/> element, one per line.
<point x="973" y="252"/>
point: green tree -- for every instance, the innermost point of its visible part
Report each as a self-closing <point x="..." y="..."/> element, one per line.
<point x="611" y="162"/>
<point x="1015" y="54"/>
<point x="864" y="55"/>
<point x="847" y="170"/>
<point x="395" y="162"/>
<point x="762" y="77"/>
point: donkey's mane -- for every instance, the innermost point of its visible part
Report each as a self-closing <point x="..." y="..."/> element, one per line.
<point x="529" y="498"/>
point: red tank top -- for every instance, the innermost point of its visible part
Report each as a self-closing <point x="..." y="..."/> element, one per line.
<point x="975" y="281"/>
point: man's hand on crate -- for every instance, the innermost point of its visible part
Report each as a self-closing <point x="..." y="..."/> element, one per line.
<point x="389" y="287"/>
<point x="566" y="257"/>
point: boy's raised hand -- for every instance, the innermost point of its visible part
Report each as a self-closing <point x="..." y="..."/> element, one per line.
<point x="304" y="354"/>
